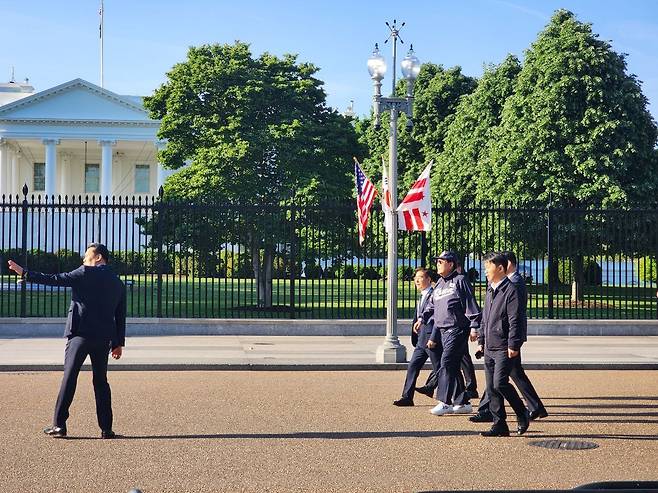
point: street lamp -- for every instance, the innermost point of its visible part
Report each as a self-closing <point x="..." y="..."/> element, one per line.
<point x="391" y="351"/>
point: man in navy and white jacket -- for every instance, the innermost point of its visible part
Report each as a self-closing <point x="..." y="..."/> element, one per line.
<point x="453" y="313"/>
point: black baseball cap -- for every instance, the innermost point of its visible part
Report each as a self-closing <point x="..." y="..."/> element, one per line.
<point x="448" y="256"/>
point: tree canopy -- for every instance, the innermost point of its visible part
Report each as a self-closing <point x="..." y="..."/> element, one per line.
<point x="576" y="127"/>
<point x="254" y="129"/>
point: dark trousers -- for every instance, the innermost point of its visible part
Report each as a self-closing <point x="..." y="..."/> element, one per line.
<point x="468" y="371"/>
<point x="77" y="349"/>
<point x="498" y="366"/>
<point x="450" y="380"/>
<point x="418" y="359"/>
<point x="523" y="383"/>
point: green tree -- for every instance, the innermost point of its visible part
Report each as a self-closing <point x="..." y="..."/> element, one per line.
<point x="461" y="170"/>
<point x="576" y="128"/>
<point x="254" y="130"/>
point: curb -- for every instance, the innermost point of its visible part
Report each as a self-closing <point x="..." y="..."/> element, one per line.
<point x="316" y="367"/>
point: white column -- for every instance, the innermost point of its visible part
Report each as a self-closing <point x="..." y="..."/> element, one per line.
<point x="51" y="166"/>
<point x="64" y="174"/>
<point x="15" y="186"/>
<point x="4" y="167"/>
<point x="106" y="168"/>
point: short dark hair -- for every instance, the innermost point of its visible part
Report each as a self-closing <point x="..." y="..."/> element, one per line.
<point x="425" y="272"/>
<point x="101" y="250"/>
<point x="496" y="258"/>
<point x="510" y="257"/>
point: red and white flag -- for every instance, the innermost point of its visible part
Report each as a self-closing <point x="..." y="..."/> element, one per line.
<point x="386" y="198"/>
<point x="415" y="211"/>
<point x="365" y="196"/>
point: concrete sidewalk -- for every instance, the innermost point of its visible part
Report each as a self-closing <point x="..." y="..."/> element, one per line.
<point x="321" y="353"/>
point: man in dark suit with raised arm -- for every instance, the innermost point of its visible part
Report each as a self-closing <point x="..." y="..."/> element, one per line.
<point x="96" y="325"/>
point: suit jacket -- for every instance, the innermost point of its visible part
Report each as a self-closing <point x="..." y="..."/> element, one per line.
<point x="501" y="328"/>
<point x="98" y="302"/>
<point x="414" y="336"/>
<point x="521" y="289"/>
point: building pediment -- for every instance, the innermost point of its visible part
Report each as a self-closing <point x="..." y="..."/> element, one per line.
<point x="76" y="101"/>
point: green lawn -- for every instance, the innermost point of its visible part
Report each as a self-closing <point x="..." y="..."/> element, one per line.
<point x="359" y="299"/>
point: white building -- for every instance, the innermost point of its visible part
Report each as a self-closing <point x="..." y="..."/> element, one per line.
<point x="77" y="139"/>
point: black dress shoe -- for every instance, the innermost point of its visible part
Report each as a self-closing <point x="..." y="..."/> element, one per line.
<point x="428" y="391"/>
<point x="472" y="394"/>
<point x="403" y="402"/>
<point x="481" y="418"/>
<point x="55" y="432"/>
<point x="496" y="432"/>
<point x="523" y="422"/>
<point x="538" y="413"/>
<point x="108" y="434"/>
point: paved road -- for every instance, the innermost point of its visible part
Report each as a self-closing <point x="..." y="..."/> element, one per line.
<point x="196" y="431"/>
<point x="216" y="352"/>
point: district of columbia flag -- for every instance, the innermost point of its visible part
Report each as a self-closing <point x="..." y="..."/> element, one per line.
<point x="415" y="211"/>
<point x="386" y="198"/>
<point x="365" y="196"/>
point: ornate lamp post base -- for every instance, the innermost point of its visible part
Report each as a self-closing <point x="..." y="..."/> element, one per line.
<point x="391" y="352"/>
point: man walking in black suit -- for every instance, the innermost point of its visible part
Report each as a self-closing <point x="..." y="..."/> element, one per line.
<point x="419" y="337"/>
<point x="501" y="336"/>
<point x="95" y="325"/>
<point x="518" y="375"/>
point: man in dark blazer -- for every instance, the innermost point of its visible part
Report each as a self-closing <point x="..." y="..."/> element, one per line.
<point x="501" y="336"/>
<point x="419" y="337"/>
<point x="96" y="325"/>
<point x="517" y="374"/>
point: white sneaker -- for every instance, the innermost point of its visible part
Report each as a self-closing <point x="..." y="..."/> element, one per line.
<point x="441" y="409"/>
<point x="462" y="409"/>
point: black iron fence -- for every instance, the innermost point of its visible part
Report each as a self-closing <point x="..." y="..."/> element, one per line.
<point x="229" y="261"/>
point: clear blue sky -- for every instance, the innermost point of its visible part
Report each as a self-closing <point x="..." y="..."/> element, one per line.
<point x="53" y="42"/>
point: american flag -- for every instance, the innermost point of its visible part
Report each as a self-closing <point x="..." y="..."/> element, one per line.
<point x="386" y="198"/>
<point x="415" y="211"/>
<point x="365" y="196"/>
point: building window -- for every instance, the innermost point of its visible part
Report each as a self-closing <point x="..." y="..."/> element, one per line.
<point x="142" y="178"/>
<point x="92" y="178"/>
<point x="39" y="179"/>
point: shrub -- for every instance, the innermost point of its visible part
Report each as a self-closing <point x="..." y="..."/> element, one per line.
<point x="347" y="272"/>
<point x="238" y="265"/>
<point x="369" y="272"/>
<point x="593" y="273"/>
<point x="405" y="273"/>
<point x="68" y="260"/>
<point x="472" y="275"/>
<point x="126" y="262"/>
<point x="563" y="272"/>
<point x="646" y="269"/>
<point x="312" y="270"/>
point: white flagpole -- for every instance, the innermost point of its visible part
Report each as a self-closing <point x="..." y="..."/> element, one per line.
<point x="100" y="12"/>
